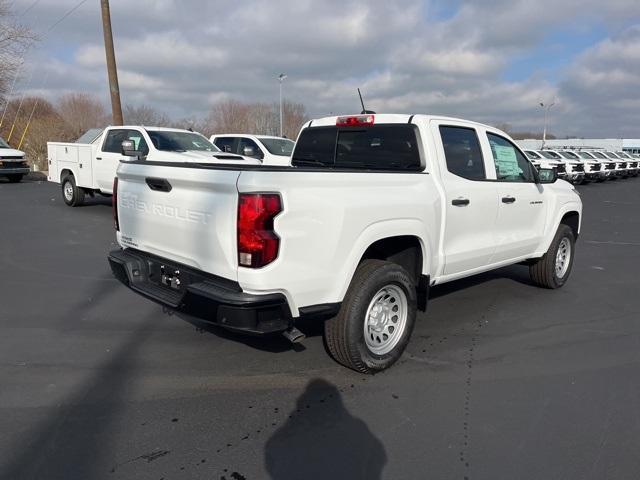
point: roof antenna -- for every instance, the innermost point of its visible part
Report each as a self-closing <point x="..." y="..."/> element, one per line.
<point x="364" y="110"/>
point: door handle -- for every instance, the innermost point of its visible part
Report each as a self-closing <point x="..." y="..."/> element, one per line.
<point x="98" y="158"/>
<point x="460" y="202"/>
<point x="158" y="184"/>
<point x="508" y="199"/>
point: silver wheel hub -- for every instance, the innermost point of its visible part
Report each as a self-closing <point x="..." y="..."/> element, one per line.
<point x="563" y="257"/>
<point x="385" y="320"/>
<point x="68" y="191"/>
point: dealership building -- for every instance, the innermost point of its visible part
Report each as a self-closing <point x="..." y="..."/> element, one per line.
<point x="630" y="145"/>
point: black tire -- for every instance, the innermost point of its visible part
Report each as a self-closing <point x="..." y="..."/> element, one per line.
<point x="543" y="273"/>
<point x="344" y="334"/>
<point x="74" y="196"/>
<point x="15" y="177"/>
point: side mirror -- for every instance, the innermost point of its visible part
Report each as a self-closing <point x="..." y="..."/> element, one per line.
<point x="547" y="175"/>
<point x="249" y="151"/>
<point x="129" y="149"/>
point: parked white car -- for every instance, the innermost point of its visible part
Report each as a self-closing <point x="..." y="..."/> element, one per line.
<point x="374" y="210"/>
<point x="573" y="168"/>
<point x="632" y="163"/>
<point x="13" y="165"/>
<point x="90" y="168"/>
<point x="594" y="169"/>
<point x="269" y="150"/>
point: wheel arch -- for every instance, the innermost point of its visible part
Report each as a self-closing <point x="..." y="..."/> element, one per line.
<point x="65" y="172"/>
<point x="407" y="247"/>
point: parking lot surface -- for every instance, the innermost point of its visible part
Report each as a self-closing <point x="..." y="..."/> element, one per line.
<point x="502" y="380"/>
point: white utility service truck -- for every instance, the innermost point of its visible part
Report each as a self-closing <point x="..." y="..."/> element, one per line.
<point x="374" y="210"/>
<point x="89" y="168"/>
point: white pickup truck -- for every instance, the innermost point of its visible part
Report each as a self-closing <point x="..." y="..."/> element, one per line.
<point x="374" y="210"/>
<point x="89" y="168"/>
<point x="13" y="165"/>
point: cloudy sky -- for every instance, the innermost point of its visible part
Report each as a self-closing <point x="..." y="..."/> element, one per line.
<point x="487" y="60"/>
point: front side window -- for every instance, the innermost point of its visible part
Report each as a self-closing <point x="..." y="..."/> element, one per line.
<point x="250" y="147"/>
<point x="113" y="142"/>
<point x="462" y="152"/>
<point x="511" y="165"/>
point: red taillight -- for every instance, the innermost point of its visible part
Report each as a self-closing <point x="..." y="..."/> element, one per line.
<point x="258" y="243"/>
<point x="355" y="121"/>
<point x="114" y="204"/>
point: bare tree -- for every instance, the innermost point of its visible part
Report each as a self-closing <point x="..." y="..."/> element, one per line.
<point x="14" y="39"/>
<point x="293" y="116"/>
<point x="81" y="111"/>
<point x="145" y="115"/>
<point x="229" y="116"/>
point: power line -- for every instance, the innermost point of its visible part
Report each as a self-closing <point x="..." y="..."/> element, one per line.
<point x="65" y="16"/>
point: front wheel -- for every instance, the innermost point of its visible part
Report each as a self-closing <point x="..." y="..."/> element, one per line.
<point x="376" y="318"/>
<point x="554" y="268"/>
<point x="71" y="193"/>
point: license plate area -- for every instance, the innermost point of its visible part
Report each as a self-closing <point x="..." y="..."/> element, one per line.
<point x="169" y="276"/>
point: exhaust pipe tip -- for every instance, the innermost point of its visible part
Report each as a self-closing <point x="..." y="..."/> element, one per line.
<point x="294" y="335"/>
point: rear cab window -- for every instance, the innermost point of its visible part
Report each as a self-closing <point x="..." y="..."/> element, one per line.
<point x="388" y="147"/>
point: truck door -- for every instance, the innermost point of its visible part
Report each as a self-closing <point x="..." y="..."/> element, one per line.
<point x="471" y="199"/>
<point x="522" y="210"/>
<point x="110" y="154"/>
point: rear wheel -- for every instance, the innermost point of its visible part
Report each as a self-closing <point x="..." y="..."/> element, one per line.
<point x="554" y="268"/>
<point x="376" y="318"/>
<point x="71" y="193"/>
<point x="15" y="177"/>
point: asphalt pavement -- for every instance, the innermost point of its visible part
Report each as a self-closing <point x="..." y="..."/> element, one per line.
<point x="502" y="380"/>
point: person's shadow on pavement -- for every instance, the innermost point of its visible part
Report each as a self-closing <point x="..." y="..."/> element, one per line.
<point x="322" y="440"/>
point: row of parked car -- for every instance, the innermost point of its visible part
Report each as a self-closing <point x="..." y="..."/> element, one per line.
<point x="586" y="165"/>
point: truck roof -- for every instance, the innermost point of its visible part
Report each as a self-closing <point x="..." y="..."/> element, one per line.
<point x="390" y="118"/>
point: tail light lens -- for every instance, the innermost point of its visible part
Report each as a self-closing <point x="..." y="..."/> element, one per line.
<point x="258" y="243"/>
<point x="114" y="204"/>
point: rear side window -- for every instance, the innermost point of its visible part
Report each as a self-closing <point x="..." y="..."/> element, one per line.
<point x="379" y="147"/>
<point x="462" y="152"/>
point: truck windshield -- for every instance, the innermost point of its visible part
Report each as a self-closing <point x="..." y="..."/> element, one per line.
<point x="586" y="155"/>
<point x="532" y="155"/>
<point x="376" y="147"/>
<point x="550" y="155"/>
<point x="3" y="144"/>
<point x="279" y="146"/>
<point x="570" y="155"/>
<point x="169" y="141"/>
<point x="598" y="155"/>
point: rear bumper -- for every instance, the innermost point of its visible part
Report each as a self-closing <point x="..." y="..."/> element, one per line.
<point x="197" y="294"/>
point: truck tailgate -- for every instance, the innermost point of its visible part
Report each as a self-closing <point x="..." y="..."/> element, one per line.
<point x="183" y="214"/>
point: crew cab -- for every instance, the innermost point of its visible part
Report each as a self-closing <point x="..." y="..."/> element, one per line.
<point x="269" y="150"/>
<point x="89" y="168"/>
<point x="374" y="210"/>
<point x="13" y="165"/>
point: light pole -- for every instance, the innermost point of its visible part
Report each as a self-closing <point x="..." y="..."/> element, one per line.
<point x="281" y="78"/>
<point x="546" y="108"/>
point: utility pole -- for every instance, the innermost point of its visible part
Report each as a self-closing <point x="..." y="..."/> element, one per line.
<point x="281" y="78"/>
<point x="546" y="113"/>
<point x="116" y="107"/>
